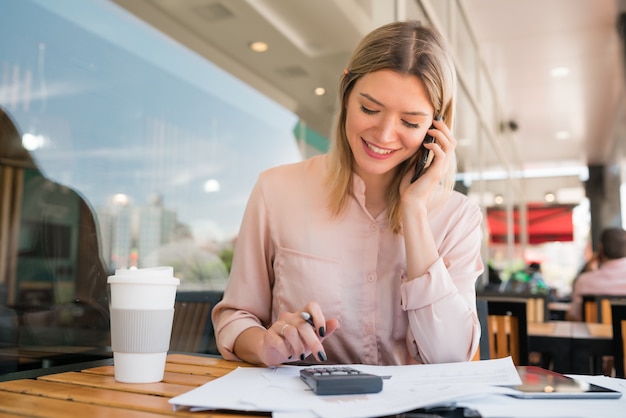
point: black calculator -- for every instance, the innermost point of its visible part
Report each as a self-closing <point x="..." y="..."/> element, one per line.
<point x="340" y="380"/>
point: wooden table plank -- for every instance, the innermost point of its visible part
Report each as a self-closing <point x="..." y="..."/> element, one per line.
<point x="21" y="404"/>
<point x="604" y="331"/>
<point x="199" y="370"/>
<point x="96" y="396"/>
<point x="184" y="376"/>
<point x="214" y="362"/>
<point x="108" y="382"/>
<point x="203" y="366"/>
<point x="541" y="328"/>
<point x="94" y="393"/>
<point x="3" y="415"/>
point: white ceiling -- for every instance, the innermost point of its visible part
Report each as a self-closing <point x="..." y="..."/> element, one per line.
<point x="520" y="42"/>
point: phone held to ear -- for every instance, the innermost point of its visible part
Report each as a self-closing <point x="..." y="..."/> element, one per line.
<point x="420" y="164"/>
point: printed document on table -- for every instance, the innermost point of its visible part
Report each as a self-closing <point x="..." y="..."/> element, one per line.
<point x="280" y="389"/>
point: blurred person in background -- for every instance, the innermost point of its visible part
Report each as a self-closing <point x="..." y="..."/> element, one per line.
<point x="528" y="281"/>
<point x="608" y="278"/>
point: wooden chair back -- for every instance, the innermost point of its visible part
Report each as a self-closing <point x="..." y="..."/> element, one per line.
<point x="618" y="320"/>
<point x="536" y="308"/>
<point x="192" y="329"/>
<point x="507" y="328"/>
<point x="597" y="308"/>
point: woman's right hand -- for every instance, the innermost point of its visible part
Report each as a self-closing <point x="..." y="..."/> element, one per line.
<point x="292" y="338"/>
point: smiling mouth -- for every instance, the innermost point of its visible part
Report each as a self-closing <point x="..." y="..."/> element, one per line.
<point x="377" y="150"/>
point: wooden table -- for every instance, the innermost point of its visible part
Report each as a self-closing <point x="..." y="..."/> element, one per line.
<point x="93" y="392"/>
<point x="575" y="346"/>
<point x="558" y="310"/>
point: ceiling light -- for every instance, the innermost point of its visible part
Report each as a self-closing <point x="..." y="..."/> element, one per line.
<point x="498" y="199"/>
<point x="562" y="135"/>
<point x="549" y="197"/>
<point x="320" y="91"/>
<point x="259" y="46"/>
<point x="559" y="71"/>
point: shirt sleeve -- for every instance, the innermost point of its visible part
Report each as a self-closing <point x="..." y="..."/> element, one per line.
<point x="441" y="304"/>
<point x="247" y="298"/>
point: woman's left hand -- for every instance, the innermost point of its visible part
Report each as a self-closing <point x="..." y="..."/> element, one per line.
<point x="442" y="148"/>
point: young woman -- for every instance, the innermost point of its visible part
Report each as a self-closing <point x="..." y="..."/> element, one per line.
<point x="385" y="267"/>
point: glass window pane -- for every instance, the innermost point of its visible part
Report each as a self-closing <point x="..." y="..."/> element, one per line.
<point x="130" y="151"/>
<point x="143" y="129"/>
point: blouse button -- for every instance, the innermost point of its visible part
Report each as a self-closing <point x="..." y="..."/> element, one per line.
<point x="371" y="277"/>
<point x="368" y="329"/>
<point x="374" y="227"/>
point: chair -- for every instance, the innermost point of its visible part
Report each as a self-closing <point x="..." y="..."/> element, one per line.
<point x="192" y="329"/>
<point x="507" y="328"/>
<point x="597" y="308"/>
<point x="618" y="318"/>
<point x="536" y="308"/>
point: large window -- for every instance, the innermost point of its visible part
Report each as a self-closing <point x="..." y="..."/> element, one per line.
<point x="163" y="145"/>
<point x="131" y="151"/>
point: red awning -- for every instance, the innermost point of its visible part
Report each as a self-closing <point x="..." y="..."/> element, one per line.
<point x="545" y="223"/>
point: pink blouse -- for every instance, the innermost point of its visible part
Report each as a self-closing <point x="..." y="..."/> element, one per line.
<point x="291" y="251"/>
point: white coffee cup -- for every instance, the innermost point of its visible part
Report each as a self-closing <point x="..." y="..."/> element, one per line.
<point x="142" y="312"/>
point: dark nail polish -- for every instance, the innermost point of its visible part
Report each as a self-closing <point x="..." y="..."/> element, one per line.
<point x="302" y="357"/>
<point x="322" y="356"/>
<point x="438" y="117"/>
<point x="289" y="358"/>
<point x="322" y="331"/>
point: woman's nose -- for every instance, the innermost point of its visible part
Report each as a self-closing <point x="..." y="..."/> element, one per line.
<point x="387" y="130"/>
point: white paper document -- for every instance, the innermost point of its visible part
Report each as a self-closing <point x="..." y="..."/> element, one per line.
<point x="280" y="389"/>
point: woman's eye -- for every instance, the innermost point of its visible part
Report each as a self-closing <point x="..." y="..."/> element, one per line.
<point x="367" y="111"/>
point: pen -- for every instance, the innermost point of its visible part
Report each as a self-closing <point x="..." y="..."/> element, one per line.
<point x="307" y="317"/>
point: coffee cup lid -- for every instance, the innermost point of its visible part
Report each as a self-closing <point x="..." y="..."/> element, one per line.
<point x="155" y="275"/>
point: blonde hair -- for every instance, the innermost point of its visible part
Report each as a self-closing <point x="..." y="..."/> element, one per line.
<point x="407" y="48"/>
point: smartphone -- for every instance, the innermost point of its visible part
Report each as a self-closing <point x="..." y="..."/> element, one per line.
<point x="420" y="164"/>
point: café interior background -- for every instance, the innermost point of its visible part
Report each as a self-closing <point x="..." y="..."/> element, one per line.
<point x="161" y="114"/>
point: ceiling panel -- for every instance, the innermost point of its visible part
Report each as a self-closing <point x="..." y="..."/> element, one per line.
<point x="520" y="42"/>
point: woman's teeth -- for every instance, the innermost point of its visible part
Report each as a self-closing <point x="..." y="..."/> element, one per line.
<point x="378" y="150"/>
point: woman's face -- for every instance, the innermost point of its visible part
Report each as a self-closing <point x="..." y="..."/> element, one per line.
<point x="387" y="117"/>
